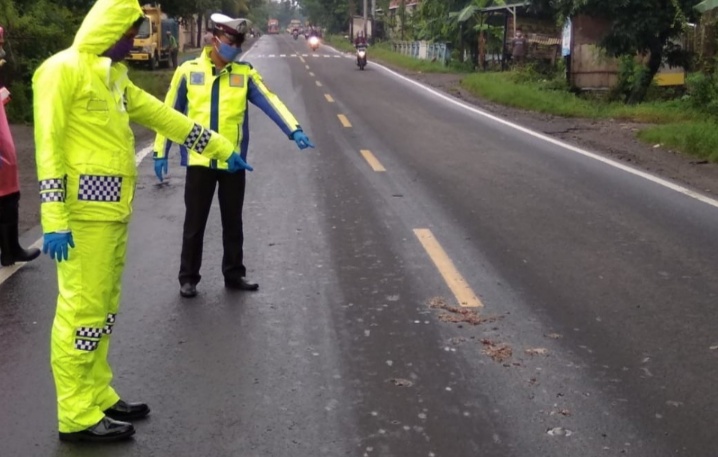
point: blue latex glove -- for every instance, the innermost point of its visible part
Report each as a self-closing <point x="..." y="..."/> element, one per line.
<point x="236" y="163"/>
<point x="57" y="245"/>
<point x="161" y="167"/>
<point x="301" y="139"/>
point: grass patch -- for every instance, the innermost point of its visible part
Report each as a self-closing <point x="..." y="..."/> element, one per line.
<point x="538" y="96"/>
<point x="696" y="138"/>
<point x="155" y="82"/>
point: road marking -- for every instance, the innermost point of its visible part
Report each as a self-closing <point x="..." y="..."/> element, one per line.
<point x="271" y="55"/>
<point x="7" y="272"/>
<point x="302" y="59"/>
<point x="319" y="84"/>
<point x="461" y="290"/>
<point x="307" y="67"/>
<point x="343" y="119"/>
<point x="372" y="160"/>
<point x="311" y="74"/>
<point x="642" y="174"/>
<point x="329" y="98"/>
<point x="282" y="55"/>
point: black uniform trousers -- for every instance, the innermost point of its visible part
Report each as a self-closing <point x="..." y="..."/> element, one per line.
<point x="198" y="196"/>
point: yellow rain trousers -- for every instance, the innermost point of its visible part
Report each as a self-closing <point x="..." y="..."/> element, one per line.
<point x="85" y="155"/>
<point x="83" y="322"/>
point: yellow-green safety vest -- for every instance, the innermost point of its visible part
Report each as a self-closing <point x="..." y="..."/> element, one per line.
<point x="218" y="100"/>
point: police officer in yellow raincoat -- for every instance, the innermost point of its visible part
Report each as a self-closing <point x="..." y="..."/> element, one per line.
<point x="214" y="90"/>
<point x="84" y="102"/>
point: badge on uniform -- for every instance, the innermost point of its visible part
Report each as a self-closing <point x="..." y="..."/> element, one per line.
<point x="196" y="78"/>
<point x="236" y="80"/>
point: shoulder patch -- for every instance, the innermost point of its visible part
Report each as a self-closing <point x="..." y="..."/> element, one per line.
<point x="196" y="78"/>
<point x="236" y="80"/>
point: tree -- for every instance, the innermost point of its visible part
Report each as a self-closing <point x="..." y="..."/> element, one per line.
<point x="637" y="27"/>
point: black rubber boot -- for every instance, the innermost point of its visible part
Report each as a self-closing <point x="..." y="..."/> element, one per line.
<point x="10" y="245"/>
<point x="10" y="249"/>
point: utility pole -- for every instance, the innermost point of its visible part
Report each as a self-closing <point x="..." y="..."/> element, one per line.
<point x="365" y="14"/>
<point x="373" y="19"/>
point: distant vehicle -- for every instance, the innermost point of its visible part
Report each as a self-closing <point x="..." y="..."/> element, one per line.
<point x="273" y="26"/>
<point x="151" y="45"/>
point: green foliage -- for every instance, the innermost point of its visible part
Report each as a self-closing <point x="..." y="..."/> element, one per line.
<point x="332" y="15"/>
<point x="703" y="93"/>
<point x="34" y="31"/>
<point x="636" y="27"/>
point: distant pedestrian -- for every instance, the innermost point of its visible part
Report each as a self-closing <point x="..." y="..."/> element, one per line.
<point x="519" y="47"/>
<point x="174" y="48"/>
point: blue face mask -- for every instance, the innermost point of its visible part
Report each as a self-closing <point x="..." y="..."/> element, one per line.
<point x="228" y="53"/>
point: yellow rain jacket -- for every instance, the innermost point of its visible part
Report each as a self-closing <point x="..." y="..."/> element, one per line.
<point x="83" y="105"/>
<point x="218" y="100"/>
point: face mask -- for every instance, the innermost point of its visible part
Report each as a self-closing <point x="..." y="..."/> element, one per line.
<point x="226" y="52"/>
<point x="119" y="50"/>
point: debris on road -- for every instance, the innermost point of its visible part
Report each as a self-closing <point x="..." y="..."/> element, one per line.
<point x="458" y="315"/>
<point x="499" y="352"/>
<point x="536" y="351"/>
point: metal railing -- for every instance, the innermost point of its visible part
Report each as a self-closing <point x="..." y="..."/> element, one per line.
<point x="439" y="52"/>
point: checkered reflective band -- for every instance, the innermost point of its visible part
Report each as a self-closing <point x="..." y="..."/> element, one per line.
<point x="193" y="136"/>
<point x="107" y="329"/>
<point x="85" y="345"/>
<point x="50" y="184"/>
<point x="89" y="332"/>
<point x="198" y="139"/>
<point x="51" y="190"/>
<point x="99" y="188"/>
<point x="53" y="196"/>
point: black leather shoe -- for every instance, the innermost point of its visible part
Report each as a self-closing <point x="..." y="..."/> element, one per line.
<point x="240" y="284"/>
<point x="105" y="430"/>
<point x="123" y="411"/>
<point x="188" y="290"/>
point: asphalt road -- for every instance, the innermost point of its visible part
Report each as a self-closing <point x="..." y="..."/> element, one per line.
<point x="596" y="334"/>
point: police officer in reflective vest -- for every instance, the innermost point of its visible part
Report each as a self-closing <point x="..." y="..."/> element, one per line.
<point x="213" y="90"/>
<point x="85" y="154"/>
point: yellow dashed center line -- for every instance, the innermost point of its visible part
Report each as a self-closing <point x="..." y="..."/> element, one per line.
<point x="461" y="290"/>
<point x="319" y="84"/>
<point x="329" y="98"/>
<point x="372" y="160"/>
<point x="343" y="119"/>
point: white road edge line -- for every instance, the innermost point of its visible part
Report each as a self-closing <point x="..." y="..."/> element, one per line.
<point x="645" y="175"/>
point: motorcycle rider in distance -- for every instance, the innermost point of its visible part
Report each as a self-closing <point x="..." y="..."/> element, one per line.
<point x="360" y="40"/>
<point x="360" y="43"/>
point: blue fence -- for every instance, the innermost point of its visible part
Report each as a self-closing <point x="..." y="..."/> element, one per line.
<point x="439" y="52"/>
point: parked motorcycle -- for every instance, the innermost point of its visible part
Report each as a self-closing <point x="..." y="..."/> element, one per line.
<point x="361" y="57"/>
<point x="313" y="43"/>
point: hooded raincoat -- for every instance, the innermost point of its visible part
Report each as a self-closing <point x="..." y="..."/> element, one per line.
<point x="85" y="155"/>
